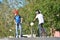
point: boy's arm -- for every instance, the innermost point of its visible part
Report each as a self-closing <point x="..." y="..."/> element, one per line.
<point x="21" y="20"/>
<point x="34" y="19"/>
<point x="14" y="21"/>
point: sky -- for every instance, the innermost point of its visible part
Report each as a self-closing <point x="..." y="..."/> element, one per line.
<point x="16" y="3"/>
<point x="1" y="0"/>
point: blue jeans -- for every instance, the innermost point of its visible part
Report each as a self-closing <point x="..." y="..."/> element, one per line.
<point x="18" y="27"/>
<point x="41" y="29"/>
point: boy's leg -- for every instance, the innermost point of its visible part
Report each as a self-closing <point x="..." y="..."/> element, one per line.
<point x="40" y="30"/>
<point x="16" y="30"/>
<point x="43" y="30"/>
<point x="20" y="28"/>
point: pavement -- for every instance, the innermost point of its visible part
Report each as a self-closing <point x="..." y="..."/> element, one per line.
<point x="37" y="38"/>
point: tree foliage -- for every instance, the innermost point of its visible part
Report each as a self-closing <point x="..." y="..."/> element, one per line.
<point x="49" y="8"/>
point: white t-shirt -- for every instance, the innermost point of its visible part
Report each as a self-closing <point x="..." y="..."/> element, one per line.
<point x="40" y="18"/>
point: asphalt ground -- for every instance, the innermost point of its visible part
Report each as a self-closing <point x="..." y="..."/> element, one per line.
<point x="37" y="38"/>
